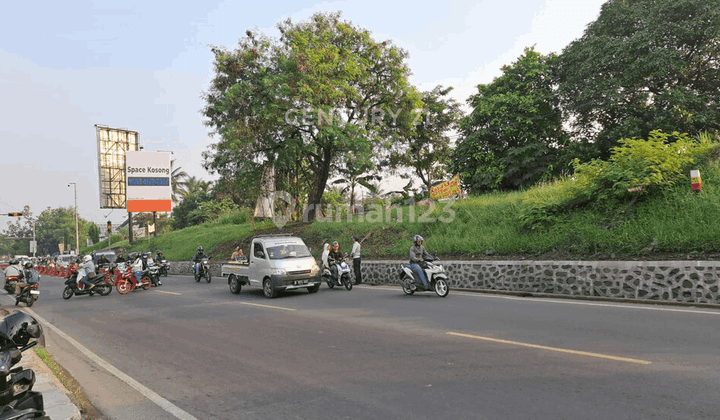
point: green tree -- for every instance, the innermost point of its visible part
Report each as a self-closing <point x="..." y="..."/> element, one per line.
<point x="194" y="187"/>
<point x="178" y="179"/>
<point x="324" y="89"/>
<point x="427" y="150"/>
<point x="643" y="65"/>
<point x="94" y="233"/>
<point x="514" y="135"/>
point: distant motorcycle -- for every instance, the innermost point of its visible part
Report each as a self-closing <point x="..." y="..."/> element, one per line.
<point x="103" y="286"/>
<point x="153" y="271"/>
<point x="434" y="275"/>
<point x="164" y="266"/>
<point x="343" y="276"/>
<point x="29" y="293"/>
<point x="204" y="271"/>
<point x="13" y="275"/>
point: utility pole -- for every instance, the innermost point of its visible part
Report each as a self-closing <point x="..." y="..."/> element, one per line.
<point x="77" y="231"/>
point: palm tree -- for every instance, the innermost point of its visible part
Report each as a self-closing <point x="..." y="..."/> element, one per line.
<point x="179" y="181"/>
<point x="369" y="181"/>
<point x="194" y="186"/>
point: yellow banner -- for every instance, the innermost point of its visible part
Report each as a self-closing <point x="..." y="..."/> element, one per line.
<point x="446" y="189"/>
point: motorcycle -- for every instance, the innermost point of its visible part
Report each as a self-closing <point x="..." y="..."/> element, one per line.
<point x="12" y="279"/>
<point x="343" y="275"/>
<point x="204" y="271"/>
<point x="153" y="271"/>
<point x="127" y="281"/>
<point x="29" y="293"/>
<point x="434" y="275"/>
<point x="164" y="266"/>
<point x="103" y="286"/>
<point x="17" y="399"/>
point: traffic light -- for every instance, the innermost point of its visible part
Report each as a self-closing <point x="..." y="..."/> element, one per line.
<point x="15" y="214"/>
<point x="109" y="227"/>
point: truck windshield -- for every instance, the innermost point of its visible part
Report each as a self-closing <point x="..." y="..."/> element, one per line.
<point x="279" y="252"/>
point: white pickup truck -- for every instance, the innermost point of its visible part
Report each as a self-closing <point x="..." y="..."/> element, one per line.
<point x="276" y="263"/>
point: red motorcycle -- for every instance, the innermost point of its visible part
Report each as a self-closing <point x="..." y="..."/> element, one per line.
<point x="126" y="282"/>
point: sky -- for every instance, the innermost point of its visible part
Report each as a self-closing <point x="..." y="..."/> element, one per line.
<point x="66" y="66"/>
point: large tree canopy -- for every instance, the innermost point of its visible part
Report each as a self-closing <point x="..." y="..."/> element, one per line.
<point x="643" y="65"/>
<point x="322" y="92"/>
<point x="514" y="133"/>
<point x="427" y="150"/>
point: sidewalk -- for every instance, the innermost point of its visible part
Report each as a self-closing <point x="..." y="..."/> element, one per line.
<point x="56" y="398"/>
<point x="58" y="405"/>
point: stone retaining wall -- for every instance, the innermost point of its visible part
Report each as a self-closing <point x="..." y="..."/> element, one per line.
<point x="677" y="281"/>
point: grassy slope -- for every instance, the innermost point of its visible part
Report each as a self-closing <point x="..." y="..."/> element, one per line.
<point x="682" y="223"/>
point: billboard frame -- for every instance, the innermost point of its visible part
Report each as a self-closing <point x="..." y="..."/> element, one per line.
<point x="112" y="144"/>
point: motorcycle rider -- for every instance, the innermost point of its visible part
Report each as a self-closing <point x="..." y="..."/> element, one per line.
<point x="30" y="278"/>
<point x="335" y="257"/>
<point x="418" y="254"/>
<point x="14" y="269"/>
<point x="159" y="257"/>
<point x="87" y="269"/>
<point x="102" y="261"/>
<point x="137" y="267"/>
<point x="197" y="258"/>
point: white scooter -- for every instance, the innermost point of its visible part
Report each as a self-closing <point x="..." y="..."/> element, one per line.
<point x="434" y="275"/>
<point x="343" y="276"/>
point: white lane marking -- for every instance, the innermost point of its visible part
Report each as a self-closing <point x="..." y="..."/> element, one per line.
<point x="148" y="393"/>
<point x="643" y="306"/>
<point x="608" y="305"/>
<point x="267" y="306"/>
<point x="169" y="293"/>
<point x="557" y="349"/>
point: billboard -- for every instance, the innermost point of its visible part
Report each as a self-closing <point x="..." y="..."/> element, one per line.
<point x="148" y="181"/>
<point x="113" y="143"/>
<point x="446" y="189"/>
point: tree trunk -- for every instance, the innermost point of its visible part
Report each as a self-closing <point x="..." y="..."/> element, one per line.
<point x="321" y="177"/>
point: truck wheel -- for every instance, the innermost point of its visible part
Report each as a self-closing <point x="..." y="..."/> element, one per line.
<point x="235" y="285"/>
<point x="314" y="289"/>
<point x="269" y="289"/>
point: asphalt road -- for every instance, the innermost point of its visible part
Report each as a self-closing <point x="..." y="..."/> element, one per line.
<point x="194" y="350"/>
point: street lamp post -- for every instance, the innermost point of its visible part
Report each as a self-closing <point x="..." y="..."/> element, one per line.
<point x="77" y="231"/>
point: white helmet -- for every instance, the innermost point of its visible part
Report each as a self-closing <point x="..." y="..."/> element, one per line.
<point x="87" y="258"/>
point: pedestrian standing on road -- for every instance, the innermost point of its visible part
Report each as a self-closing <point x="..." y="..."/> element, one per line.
<point x="355" y="254"/>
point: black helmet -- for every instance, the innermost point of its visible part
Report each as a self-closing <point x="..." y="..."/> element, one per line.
<point x="158" y="252"/>
<point x="28" y="265"/>
<point x="13" y="262"/>
<point x="418" y="238"/>
<point x="200" y="249"/>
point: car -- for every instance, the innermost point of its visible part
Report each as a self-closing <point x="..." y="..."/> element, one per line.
<point x="277" y="263"/>
<point x="65" y="259"/>
<point x="111" y="256"/>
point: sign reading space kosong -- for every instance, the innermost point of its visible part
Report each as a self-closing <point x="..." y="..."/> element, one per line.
<point x="148" y="181"/>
